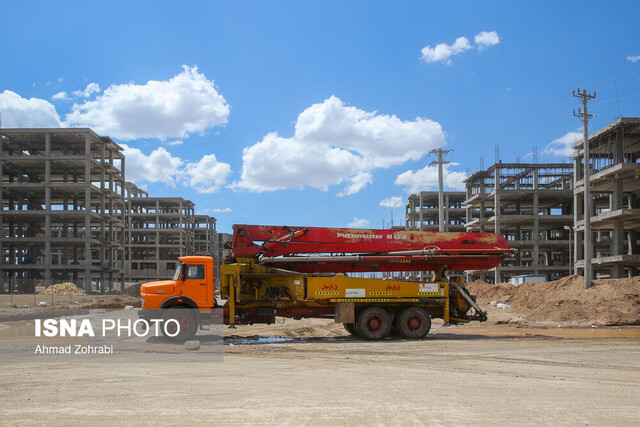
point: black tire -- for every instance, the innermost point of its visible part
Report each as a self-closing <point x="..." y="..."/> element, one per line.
<point x="374" y="323"/>
<point x="186" y="319"/>
<point x="351" y="328"/>
<point x="413" y="323"/>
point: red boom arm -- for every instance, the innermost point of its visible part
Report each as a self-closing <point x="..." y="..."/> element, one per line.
<point x="369" y="250"/>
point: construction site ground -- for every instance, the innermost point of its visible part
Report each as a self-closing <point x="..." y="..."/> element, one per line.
<point x="309" y="372"/>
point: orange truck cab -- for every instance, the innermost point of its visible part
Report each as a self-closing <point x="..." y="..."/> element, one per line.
<point x="192" y="287"/>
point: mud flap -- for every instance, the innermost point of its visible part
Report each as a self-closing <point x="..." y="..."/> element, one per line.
<point x="345" y="312"/>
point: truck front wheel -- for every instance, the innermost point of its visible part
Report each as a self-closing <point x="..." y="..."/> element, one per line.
<point x="374" y="323"/>
<point x="351" y="328"/>
<point x="413" y="323"/>
<point x="179" y="324"/>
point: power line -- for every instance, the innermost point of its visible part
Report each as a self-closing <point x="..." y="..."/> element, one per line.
<point x="512" y="117"/>
<point x="615" y="99"/>
<point x="618" y="85"/>
<point x="514" y="126"/>
<point x="465" y="137"/>
<point x="613" y="78"/>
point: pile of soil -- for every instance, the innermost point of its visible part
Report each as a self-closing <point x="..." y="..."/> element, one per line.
<point x="610" y="302"/>
<point x="66" y="288"/>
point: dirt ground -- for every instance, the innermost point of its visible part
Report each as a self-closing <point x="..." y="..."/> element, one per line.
<point x="318" y="374"/>
<point x="520" y="367"/>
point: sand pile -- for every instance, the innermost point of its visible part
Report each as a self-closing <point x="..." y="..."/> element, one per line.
<point x="66" y="288"/>
<point x="609" y="302"/>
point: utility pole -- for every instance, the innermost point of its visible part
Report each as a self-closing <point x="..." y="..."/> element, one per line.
<point x="588" y="244"/>
<point x="440" y="153"/>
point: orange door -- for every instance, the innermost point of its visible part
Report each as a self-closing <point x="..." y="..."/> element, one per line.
<point x="195" y="284"/>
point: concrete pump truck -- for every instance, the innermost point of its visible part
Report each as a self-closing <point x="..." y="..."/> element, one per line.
<point x="303" y="272"/>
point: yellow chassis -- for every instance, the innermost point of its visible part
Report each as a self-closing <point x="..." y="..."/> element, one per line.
<point x="247" y="284"/>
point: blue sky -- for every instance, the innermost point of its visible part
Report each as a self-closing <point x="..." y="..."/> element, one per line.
<point x="313" y="113"/>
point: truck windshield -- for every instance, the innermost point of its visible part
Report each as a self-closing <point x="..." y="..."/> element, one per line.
<point x="176" y="275"/>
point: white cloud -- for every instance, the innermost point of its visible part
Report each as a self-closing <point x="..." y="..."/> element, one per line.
<point x="173" y="108"/>
<point x="485" y="39"/>
<point x="88" y="91"/>
<point x="208" y="175"/>
<point x="334" y="143"/>
<point x="19" y="112"/>
<point x="392" y="202"/>
<point x="443" y="51"/>
<point x="277" y="163"/>
<point x="218" y="210"/>
<point x="427" y="179"/>
<point x="358" y="223"/>
<point x="633" y="59"/>
<point x="159" y="166"/>
<point x="357" y="183"/>
<point x="176" y="142"/>
<point x="563" y="146"/>
<point x="60" y="96"/>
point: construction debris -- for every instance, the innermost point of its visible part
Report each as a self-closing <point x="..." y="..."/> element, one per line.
<point x="66" y="288"/>
<point x="192" y="345"/>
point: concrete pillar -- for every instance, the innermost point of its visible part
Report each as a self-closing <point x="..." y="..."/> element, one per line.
<point x="577" y="208"/>
<point x="157" y="262"/>
<point x="87" y="213"/>
<point x="420" y="210"/>
<point x="617" y="235"/>
<point x="496" y="213"/>
<point x="447" y="209"/>
<point x="47" y="207"/>
<point x="468" y="210"/>
<point x="535" y="237"/>
<point x="2" y="234"/>
<point x="103" y="231"/>
<point x="123" y="216"/>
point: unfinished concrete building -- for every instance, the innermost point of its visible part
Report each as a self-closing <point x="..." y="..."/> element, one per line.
<point x="422" y="211"/>
<point x="531" y="204"/>
<point x="62" y="211"/>
<point x="159" y="230"/>
<point x="204" y="235"/>
<point x="615" y="190"/>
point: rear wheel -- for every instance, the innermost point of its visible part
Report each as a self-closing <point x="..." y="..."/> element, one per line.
<point x="374" y="323"/>
<point x="179" y="324"/>
<point x="413" y="323"/>
<point x="351" y="328"/>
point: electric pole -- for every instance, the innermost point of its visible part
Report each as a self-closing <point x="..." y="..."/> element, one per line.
<point x="440" y="152"/>
<point x="588" y="244"/>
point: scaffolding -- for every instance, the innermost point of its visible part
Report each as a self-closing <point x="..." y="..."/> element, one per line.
<point x="62" y="210"/>
<point x="531" y="204"/>
<point x="615" y="189"/>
